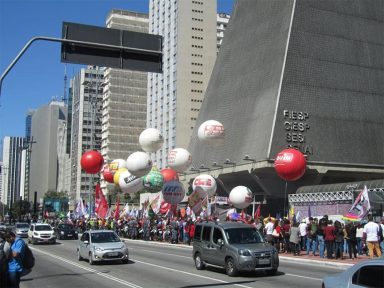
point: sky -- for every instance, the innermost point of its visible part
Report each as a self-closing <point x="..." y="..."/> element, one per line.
<point x="38" y="76"/>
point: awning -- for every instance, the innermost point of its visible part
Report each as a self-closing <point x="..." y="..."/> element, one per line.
<point x="372" y="186"/>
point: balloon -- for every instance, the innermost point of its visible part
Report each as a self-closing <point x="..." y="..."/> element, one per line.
<point x="169" y="175"/>
<point x="240" y="197"/>
<point x="211" y="131"/>
<point x="153" y="181"/>
<point x="290" y="164"/>
<point x="206" y="182"/>
<point x="151" y="140"/>
<point x="116" y="176"/>
<point x="129" y="183"/>
<point x="107" y="174"/>
<point x="139" y="163"/>
<point x="92" y="162"/>
<point x="173" y="192"/>
<point x="179" y="159"/>
<point x="117" y="164"/>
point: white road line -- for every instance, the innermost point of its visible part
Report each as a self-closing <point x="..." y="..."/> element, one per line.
<point x="300" y="276"/>
<point x="126" y="283"/>
<point x="168" y="254"/>
<point x="188" y="273"/>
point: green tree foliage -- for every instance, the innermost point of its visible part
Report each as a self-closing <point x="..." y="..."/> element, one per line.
<point x="20" y="208"/>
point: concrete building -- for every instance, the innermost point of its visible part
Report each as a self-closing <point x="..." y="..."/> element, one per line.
<point x="309" y="76"/>
<point x="11" y="170"/>
<point x="124" y="103"/>
<point x="189" y="53"/>
<point x="125" y="96"/>
<point x="86" y="94"/>
<point x="47" y="123"/>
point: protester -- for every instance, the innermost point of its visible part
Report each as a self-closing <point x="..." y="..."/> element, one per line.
<point x="329" y="236"/>
<point x="350" y="229"/>
<point x="339" y="240"/>
<point x="294" y="239"/>
<point x="4" y="252"/>
<point x="303" y="234"/>
<point x="323" y="222"/>
<point x="268" y="229"/>
<point x="371" y="237"/>
<point x="15" y="266"/>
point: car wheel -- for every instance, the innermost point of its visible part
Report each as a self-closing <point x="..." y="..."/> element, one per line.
<point x="29" y="240"/>
<point x="198" y="262"/>
<point x="33" y="241"/>
<point x="230" y="267"/>
<point x="79" y="256"/>
<point x="90" y="259"/>
<point x="272" y="272"/>
<point x="125" y="261"/>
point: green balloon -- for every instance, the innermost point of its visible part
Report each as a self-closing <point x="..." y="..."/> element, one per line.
<point x="153" y="181"/>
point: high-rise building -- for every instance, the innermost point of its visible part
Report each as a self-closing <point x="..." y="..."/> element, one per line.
<point x="125" y="96"/>
<point x="28" y="150"/>
<point x="222" y="23"/>
<point x="46" y="159"/>
<point x="11" y="170"/>
<point x="189" y="35"/>
<point x="86" y="93"/>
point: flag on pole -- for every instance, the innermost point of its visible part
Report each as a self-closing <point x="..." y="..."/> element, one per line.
<point x="257" y="213"/>
<point x="361" y="206"/>
<point x="80" y="211"/>
<point x="116" y="215"/>
<point x="103" y="208"/>
<point x="98" y="196"/>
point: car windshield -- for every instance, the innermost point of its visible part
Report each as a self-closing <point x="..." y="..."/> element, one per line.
<point x="22" y="225"/>
<point x="243" y="236"/>
<point x="104" y="237"/>
<point x="65" y="227"/>
<point x="43" y="228"/>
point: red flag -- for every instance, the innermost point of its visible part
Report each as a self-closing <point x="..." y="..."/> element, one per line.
<point x="164" y="207"/>
<point x="257" y="213"/>
<point x="116" y="215"/>
<point x="99" y="195"/>
<point x="103" y="208"/>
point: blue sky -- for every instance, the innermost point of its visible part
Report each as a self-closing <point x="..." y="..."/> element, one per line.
<point x="39" y="74"/>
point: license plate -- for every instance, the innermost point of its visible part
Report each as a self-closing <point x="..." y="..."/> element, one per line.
<point x="69" y="235"/>
<point x="113" y="254"/>
<point x="264" y="261"/>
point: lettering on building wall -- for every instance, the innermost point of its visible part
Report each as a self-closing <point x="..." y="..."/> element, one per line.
<point x="296" y="125"/>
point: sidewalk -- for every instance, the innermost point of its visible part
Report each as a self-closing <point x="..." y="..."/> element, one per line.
<point x="303" y="258"/>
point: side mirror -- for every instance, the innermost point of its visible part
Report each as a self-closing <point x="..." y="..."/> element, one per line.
<point x="86" y="242"/>
<point x="220" y="242"/>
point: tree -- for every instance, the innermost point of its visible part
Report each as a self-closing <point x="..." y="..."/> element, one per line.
<point x="20" y="208"/>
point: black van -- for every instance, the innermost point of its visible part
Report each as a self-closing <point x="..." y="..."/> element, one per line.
<point x="234" y="246"/>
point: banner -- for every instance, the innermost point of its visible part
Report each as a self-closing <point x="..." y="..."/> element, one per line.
<point x="361" y="206"/>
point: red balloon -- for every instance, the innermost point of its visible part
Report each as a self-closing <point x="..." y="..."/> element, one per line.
<point x="108" y="174"/>
<point x="169" y="175"/>
<point x="290" y="164"/>
<point x="92" y="162"/>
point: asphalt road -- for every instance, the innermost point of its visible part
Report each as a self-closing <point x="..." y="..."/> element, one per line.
<point x="155" y="265"/>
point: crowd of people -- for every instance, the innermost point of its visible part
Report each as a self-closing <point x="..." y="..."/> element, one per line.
<point x="326" y="238"/>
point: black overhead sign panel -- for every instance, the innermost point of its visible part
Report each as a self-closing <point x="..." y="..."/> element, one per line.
<point x="111" y="48"/>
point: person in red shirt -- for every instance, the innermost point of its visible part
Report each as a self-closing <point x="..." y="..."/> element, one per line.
<point x="191" y="231"/>
<point x="329" y="237"/>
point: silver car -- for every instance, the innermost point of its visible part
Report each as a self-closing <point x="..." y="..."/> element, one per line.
<point x="21" y="230"/>
<point x="369" y="273"/>
<point x="102" y="245"/>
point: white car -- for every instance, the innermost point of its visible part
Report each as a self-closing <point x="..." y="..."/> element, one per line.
<point x="369" y="273"/>
<point x="41" y="233"/>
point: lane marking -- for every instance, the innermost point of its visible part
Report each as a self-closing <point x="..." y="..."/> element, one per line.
<point x="168" y="254"/>
<point x="126" y="283"/>
<point x="191" y="274"/>
<point x="300" y="276"/>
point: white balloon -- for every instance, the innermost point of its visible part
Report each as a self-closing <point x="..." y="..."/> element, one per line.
<point x="211" y="131"/>
<point x="240" y="197"/>
<point x="129" y="183"/>
<point x="179" y="159"/>
<point x="151" y="140"/>
<point x="117" y="164"/>
<point x="173" y="192"/>
<point x="205" y="182"/>
<point x="139" y="163"/>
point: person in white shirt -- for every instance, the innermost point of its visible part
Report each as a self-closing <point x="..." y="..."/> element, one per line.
<point x="359" y="237"/>
<point x="382" y="230"/>
<point x="303" y="234"/>
<point x="371" y="237"/>
<point x="268" y="229"/>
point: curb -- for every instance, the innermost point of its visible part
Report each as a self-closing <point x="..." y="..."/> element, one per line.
<point x="282" y="258"/>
